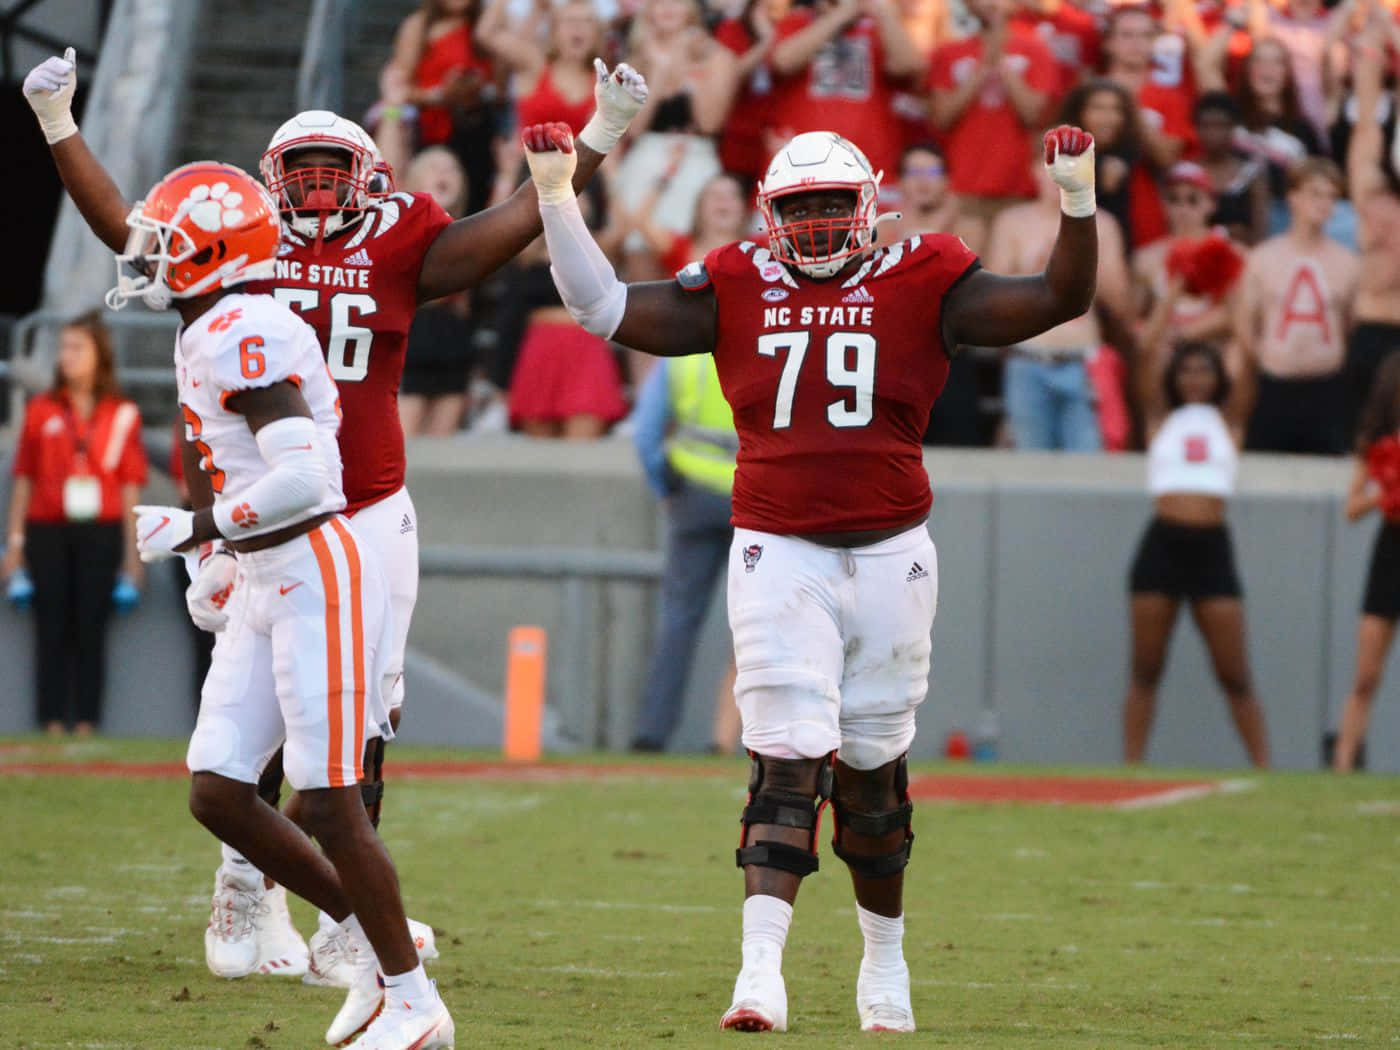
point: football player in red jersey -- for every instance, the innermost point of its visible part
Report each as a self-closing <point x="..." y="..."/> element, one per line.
<point x="355" y="262"/>
<point x="831" y="351"/>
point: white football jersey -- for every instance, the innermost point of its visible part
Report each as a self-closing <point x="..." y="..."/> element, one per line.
<point x="242" y="342"/>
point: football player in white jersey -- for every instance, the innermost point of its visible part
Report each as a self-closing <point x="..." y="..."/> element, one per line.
<point x="356" y="261"/>
<point x="302" y="613"/>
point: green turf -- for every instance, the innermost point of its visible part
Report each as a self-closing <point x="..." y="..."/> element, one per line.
<point x="606" y="915"/>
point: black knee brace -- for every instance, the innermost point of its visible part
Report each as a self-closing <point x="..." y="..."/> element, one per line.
<point x="270" y="782"/>
<point x="778" y="796"/>
<point x="853" y="821"/>
<point x="372" y="786"/>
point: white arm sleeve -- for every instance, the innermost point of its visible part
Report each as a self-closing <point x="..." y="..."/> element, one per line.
<point x="296" y="483"/>
<point x="595" y="298"/>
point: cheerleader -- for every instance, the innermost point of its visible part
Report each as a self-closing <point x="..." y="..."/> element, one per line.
<point x="1375" y="485"/>
<point x="1186" y="553"/>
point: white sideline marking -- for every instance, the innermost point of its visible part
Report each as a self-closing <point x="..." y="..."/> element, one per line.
<point x="1378" y="808"/>
<point x="25" y="913"/>
<point x="1171" y="796"/>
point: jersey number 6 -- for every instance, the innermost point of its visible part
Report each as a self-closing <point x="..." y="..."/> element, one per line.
<point x="850" y="362"/>
<point x="347" y="346"/>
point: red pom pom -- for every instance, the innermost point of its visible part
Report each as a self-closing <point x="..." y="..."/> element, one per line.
<point x="1208" y="266"/>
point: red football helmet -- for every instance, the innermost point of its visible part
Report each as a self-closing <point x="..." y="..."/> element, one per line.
<point x="204" y="226"/>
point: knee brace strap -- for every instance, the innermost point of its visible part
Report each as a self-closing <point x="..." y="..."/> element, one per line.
<point x="775" y="806"/>
<point x="877" y="867"/>
<point x="875" y="825"/>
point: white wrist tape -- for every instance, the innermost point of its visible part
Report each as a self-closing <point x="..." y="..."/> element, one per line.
<point x="56" y="129"/>
<point x="295" y="484"/>
<point x="1078" y="204"/>
<point x="587" y="284"/>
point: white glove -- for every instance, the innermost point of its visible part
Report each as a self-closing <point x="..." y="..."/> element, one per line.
<point x="1069" y="157"/>
<point x="206" y="597"/>
<point x="49" y="91"/>
<point x="549" y="150"/>
<point x="619" y="96"/>
<point x="159" y="530"/>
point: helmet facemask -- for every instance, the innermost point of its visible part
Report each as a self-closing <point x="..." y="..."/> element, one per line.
<point x="817" y="247"/>
<point x="318" y="200"/>
<point x="819" y="162"/>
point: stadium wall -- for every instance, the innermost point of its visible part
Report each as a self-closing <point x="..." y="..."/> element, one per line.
<point x="1033" y="559"/>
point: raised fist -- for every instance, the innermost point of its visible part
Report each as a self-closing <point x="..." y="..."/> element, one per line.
<point x="49" y="91"/>
<point x="1069" y="157"/>
<point x="549" y="151"/>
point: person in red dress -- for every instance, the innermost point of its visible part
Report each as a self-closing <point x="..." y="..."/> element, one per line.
<point x="831" y="352"/>
<point x="355" y="265"/>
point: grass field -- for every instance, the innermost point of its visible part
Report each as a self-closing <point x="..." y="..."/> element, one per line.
<point x="601" y="910"/>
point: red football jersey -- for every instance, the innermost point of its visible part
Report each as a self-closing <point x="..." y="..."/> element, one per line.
<point x="831" y="382"/>
<point x="360" y="292"/>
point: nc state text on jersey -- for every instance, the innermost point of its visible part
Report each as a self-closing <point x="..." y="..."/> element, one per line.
<point x="317" y="273"/>
<point x="782" y="316"/>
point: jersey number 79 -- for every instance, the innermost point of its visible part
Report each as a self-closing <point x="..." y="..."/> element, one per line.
<point x="347" y="345"/>
<point x="850" y="363"/>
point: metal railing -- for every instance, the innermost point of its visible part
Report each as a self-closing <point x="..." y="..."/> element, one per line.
<point x="28" y="371"/>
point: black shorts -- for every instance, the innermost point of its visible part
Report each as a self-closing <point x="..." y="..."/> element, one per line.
<point x="1185" y="561"/>
<point x="1299" y="415"/>
<point x="436" y="379"/>
<point x="1371" y="343"/>
<point x="1383" y="580"/>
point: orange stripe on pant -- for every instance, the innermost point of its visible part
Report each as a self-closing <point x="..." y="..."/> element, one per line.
<point x="335" y="763"/>
<point x="357" y="635"/>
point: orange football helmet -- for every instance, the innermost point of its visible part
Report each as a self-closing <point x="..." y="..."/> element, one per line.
<point x="203" y="227"/>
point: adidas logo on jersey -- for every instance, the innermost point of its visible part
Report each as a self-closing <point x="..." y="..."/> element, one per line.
<point x="858" y="295"/>
<point x="405" y="526"/>
<point x="359" y="258"/>
<point x="916" y="572"/>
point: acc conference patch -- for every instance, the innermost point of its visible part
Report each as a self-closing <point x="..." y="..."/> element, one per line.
<point x="693" y="276"/>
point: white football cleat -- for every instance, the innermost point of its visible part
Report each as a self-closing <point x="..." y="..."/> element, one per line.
<point x="231" y="939"/>
<point x="281" y="950"/>
<point x="330" y="966"/>
<point x="760" y="1003"/>
<point x="882" y="998"/>
<point x="427" y="1026"/>
<point x="365" y="998"/>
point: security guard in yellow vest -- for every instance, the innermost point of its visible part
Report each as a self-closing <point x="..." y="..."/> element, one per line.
<point x="687" y="443"/>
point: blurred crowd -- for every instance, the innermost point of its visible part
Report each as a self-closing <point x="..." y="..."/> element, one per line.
<point x="1244" y="165"/>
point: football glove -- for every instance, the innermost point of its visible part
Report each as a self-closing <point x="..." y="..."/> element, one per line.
<point x="1069" y="157"/>
<point x="49" y="91"/>
<point x="549" y="150"/>
<point x="619" y="96"/>
<point x="210" y="590"/>
<point x="161" y="531"/>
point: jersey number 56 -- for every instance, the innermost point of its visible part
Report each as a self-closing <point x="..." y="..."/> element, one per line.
<point x="347" y="347"/>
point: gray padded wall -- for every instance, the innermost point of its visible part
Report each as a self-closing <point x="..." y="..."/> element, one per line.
<point x="1032" y="619"/>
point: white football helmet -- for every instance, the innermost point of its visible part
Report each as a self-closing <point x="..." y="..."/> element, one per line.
<point x="819" y="160"/>
<point x="318" y="201"/>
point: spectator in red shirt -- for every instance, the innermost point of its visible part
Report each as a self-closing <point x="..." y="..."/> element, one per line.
<point x="1071" y="34"/>
<point x="78" y="472"/>
<point x="989" y="93"/>
<point x="1166" y="114"/>
<point x="838" y="66"/>
<point x="742" y="148"/>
